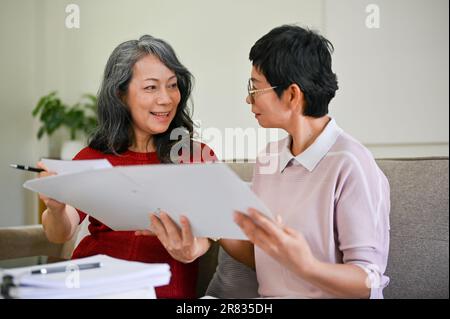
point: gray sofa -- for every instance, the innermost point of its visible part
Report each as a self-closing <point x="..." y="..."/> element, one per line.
<point x="419" y="254"/>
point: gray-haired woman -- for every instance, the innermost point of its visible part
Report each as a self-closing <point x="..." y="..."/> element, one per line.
<point x="142" y="101"/>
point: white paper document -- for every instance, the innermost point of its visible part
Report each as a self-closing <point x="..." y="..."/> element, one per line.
<point x="66" y="167"/>
<point x="113" y="278"/>
<point x="122" y="197"/>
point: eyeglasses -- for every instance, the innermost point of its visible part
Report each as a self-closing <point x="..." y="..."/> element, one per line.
<point x="252" y="92"/>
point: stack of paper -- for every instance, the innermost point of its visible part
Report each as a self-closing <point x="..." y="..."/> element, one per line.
<point x="113" y="278"/>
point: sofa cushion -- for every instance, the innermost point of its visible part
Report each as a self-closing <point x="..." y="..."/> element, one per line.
<point x="232" y="279"/>
<point x="418" y="263"/>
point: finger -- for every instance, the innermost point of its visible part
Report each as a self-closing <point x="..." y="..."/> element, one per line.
<point x="256" y="234"/>
<point x="172" y="229"/>
<point x="260" y="239"/>
<point x="279" y="220"/>
<point x="270" y="227"/>
<point x="239" y="216"/>
<point x="159" y="230"/>
<point x="47" y="172"/>
<point x="43" y="197"/>
<point x="273" y="233"/>
<point x="42" y="165"/>
<point x="186" y="232"/>
<point x="291" y="232"/>
<point x="53" y="205"/>
<point x="143" y="232"/>
<point x="246" y="221"/>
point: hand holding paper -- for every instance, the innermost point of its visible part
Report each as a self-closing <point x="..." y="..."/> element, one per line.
<point x="61" y="220"/>
<point x="179" y="242"/>
<point x="51" y="204"/>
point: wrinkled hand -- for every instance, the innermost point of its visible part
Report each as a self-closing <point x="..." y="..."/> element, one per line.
<point x="180" y="243"/>
<point x="53" y="205"/>
<point x="282" y="243"/>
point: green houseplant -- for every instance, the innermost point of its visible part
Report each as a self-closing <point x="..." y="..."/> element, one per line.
<point x="78" y="118"/>
<point x="53" y="114"/>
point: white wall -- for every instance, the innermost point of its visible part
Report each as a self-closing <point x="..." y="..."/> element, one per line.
<point x="18" y="69"/>
<point x="397" y="104"/>
<point x="393" y="79"/>
<point x="212" y="38"/>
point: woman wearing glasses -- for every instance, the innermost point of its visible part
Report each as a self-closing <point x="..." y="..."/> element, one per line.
<point x="143" y="99"/>
<point x="330" y="234"/>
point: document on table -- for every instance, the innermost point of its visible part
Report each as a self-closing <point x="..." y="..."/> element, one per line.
<point x="114" y="277"/>
<point x="123" y="196"/>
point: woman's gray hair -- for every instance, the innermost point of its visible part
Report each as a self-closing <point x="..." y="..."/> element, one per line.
<point x="114" y="134"/>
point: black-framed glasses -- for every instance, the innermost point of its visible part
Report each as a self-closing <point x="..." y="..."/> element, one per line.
<point x="252" y="92"/>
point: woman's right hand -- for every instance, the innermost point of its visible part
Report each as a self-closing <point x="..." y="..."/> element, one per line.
<point x="52" y="205"/>
<point x="180" y="243"/>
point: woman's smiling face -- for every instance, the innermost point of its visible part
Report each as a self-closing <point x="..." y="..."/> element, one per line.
<point x="152" y="96"/>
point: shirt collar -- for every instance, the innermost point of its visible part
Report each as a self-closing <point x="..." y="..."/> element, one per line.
<point x="310" y="157"/>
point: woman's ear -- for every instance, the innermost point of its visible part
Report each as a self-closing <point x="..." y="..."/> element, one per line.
<point x="295" y="97"/>
<point x="122" y="96"/>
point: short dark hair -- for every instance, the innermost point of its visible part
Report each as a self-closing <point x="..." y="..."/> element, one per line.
<point x="114" y="133"/>
<point x="290" y="54"/>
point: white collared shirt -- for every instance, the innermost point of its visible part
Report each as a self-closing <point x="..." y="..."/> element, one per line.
<point x="314" y="153"/>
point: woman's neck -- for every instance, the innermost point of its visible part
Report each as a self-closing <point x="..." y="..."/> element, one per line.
<point x="143" y="143"/>
<point x="305" y="131"/>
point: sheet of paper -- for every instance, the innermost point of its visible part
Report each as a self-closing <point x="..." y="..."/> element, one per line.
<point x="66" y="167"/>
<point x="123" y="197"/>
<point x="114" y="290"/>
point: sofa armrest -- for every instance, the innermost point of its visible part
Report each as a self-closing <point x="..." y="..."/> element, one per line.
<point x="26" y="241"/>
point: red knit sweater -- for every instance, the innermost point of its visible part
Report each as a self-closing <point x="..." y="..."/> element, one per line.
<point x="125" y="245"/>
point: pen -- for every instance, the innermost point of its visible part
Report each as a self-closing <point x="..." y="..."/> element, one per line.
<point x="51" y="270"/>
<point x="27" y="168"/>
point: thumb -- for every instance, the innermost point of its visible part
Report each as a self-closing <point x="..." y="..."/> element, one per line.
<point x="290" y="231"/>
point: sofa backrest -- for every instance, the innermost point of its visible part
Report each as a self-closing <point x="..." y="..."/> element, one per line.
<point x="418" y="264"/>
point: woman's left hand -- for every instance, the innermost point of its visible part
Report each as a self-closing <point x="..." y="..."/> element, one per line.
<point x="180" y="243"/>
<point x="282" y="243"/>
